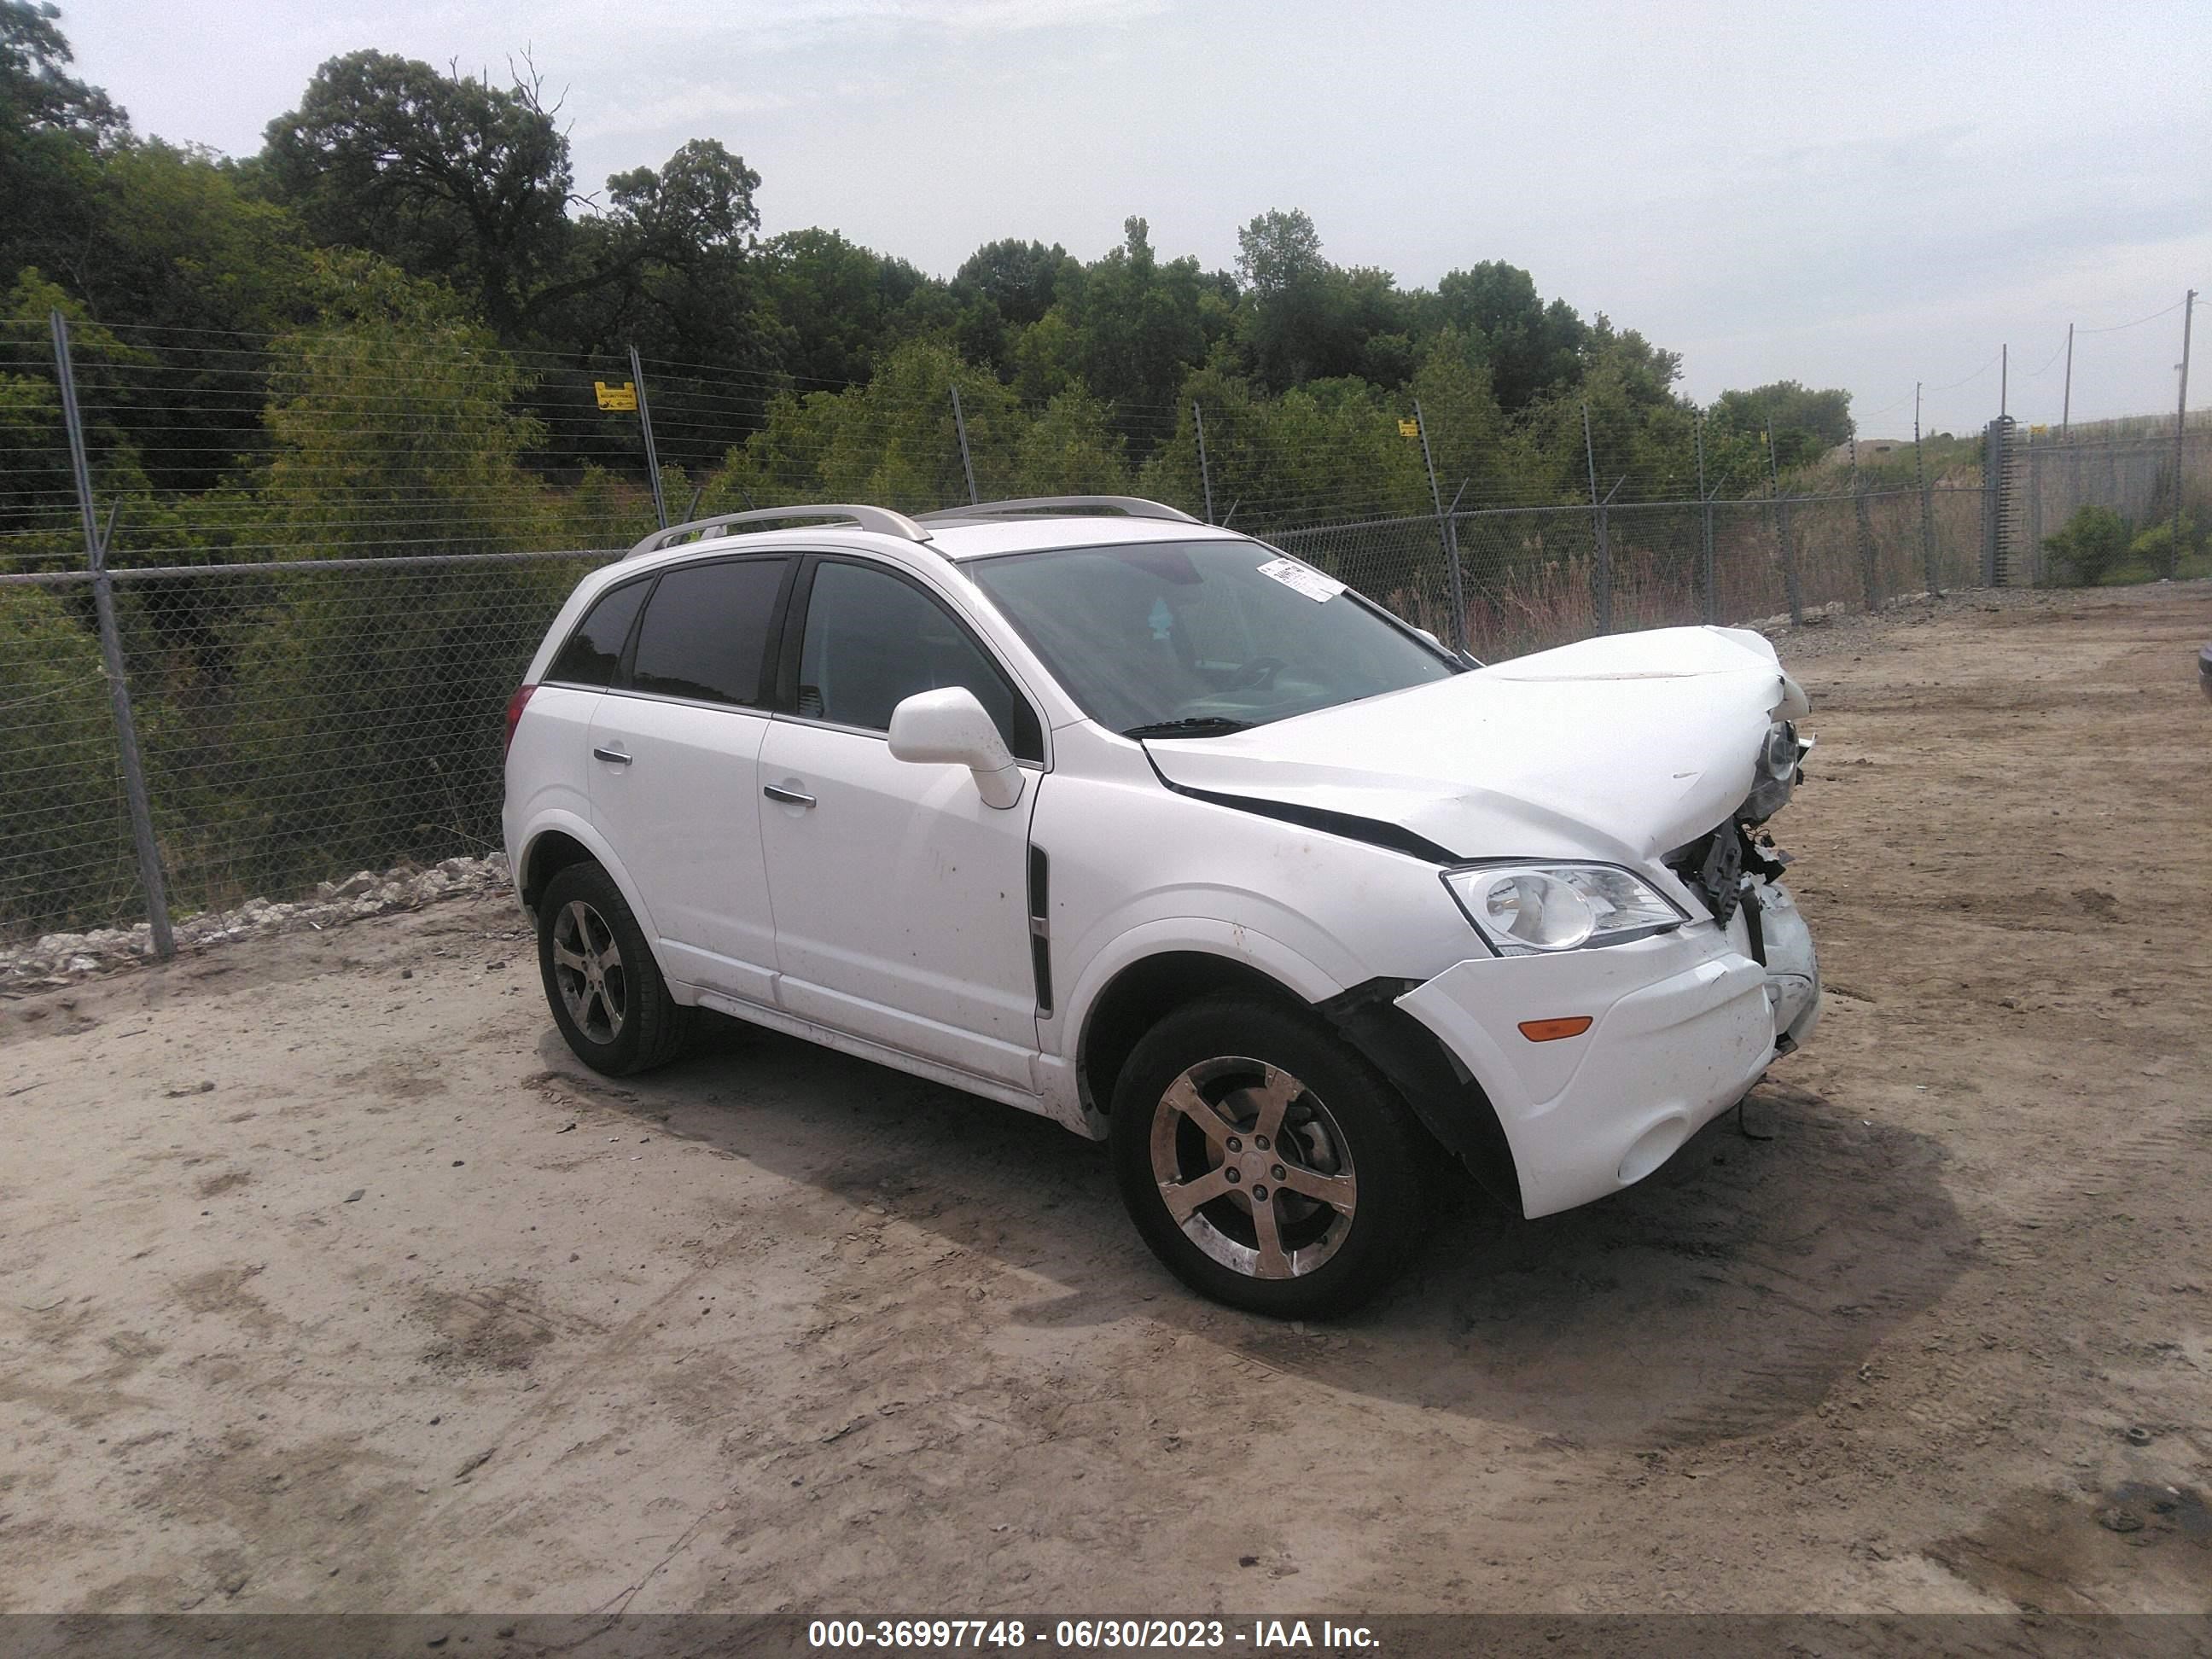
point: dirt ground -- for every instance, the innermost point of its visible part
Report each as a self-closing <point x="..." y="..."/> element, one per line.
<point x="328" y="1280"/>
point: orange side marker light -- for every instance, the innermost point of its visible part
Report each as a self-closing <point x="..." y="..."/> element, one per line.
<point x="1551" y="1031"/>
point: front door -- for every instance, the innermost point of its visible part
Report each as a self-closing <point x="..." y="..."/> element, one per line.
<point x="901" y="899"/>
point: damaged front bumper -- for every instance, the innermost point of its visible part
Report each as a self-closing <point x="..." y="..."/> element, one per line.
<point x="1683" y="1024"/>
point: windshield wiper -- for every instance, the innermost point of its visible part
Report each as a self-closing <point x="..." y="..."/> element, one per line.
<point x="1202" y="725"/>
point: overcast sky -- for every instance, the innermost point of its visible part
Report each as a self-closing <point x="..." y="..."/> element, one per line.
<point x="1860" y="196"/>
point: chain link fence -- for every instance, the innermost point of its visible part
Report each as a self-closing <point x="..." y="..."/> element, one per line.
<point x="327" y="567"/>
<point x="2128" y="468"/>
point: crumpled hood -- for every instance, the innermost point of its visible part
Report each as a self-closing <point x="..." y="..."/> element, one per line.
<point x="1623" y="747"/>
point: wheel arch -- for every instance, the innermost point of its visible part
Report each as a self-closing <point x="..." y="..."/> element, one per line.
<point x="1142" y="992"/>
<point x="560" y="840"/>
<point x="1449" y="1103"/>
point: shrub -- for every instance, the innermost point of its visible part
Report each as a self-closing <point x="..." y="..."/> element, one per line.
<point x="2155" y="547"/>
<point x="2094" y="541"/>
<point x="64" y="848"/>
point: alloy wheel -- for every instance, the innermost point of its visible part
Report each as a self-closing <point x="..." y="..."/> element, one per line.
<point x="1254" y="1168"/>
<point x="587" y="967"/>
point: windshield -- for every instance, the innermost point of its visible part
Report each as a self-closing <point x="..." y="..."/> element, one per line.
<point x="1187" y="639"/>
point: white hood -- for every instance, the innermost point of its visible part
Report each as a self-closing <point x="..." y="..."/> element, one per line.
<point x="1623" y="747"/>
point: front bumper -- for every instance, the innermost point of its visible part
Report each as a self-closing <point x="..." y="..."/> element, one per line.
<point x="1683" y="1026"/>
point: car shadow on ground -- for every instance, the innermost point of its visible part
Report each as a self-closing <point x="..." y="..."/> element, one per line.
<point x="1732" y="1291"/>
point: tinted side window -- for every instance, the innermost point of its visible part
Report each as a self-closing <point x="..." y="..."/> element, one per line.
<point x="872" y="642"/>
<point x="595" y="647"/>
<point x="705" y="635"/>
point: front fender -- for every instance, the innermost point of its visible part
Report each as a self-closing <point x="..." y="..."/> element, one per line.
<point x="1204" y="934"/>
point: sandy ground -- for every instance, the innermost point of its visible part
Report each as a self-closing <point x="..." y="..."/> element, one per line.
<point x="328" y="1280"/>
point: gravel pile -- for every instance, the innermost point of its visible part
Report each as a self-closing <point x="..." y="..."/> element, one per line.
<point x="58" y="958"/>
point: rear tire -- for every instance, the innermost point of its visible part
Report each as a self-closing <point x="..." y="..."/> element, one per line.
<point x="1265" y="1162"/>
<point x="605" y="989"/>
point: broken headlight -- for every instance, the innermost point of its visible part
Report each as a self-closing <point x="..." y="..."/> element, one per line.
<point x="1527" y="909"/>
<point x="1776" y="773"/>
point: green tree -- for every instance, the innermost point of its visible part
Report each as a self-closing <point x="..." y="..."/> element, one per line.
<point x="366" y="710"/>
<point x="1139" y="324"/>
<point x="839" y="303"/>
<point x="395" y="423"/>
<point x="1069" y="449"/>
<point x="1532" y="349"/>
<point x="1638" y="428"/>
<point x="1807" y="424"/>
<point x="1020" y="279"/>
<point x="64" y="852"/>
<point x="53" y="130"/>
<point x="1300" y="317"/>
<point x="446" y="175"/>
<point x="892" y="440"/>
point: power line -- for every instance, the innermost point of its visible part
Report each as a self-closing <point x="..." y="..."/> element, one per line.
<point x="2116" y="327"/>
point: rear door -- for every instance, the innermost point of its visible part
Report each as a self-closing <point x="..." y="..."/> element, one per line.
<point x="901" y="899"/>
<point x="676" y="747"/>
<point x="550" y="758"/>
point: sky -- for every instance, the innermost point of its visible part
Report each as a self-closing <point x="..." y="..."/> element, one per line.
<point x="1862" y="197"/>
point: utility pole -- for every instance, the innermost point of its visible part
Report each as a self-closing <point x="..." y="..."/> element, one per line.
<point x="2180" y="434"/>
<point x="2066" y="406"/>
<point x="2004" y="377"/>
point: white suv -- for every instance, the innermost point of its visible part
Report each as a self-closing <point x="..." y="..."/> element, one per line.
<point x="1093" y="809"/>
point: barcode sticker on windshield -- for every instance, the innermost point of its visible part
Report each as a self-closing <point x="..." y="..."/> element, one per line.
<point x="1295" y="576"/>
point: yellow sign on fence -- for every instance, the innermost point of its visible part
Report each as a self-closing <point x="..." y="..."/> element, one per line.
<point x="622" y="397"/>
<point x="1409" y="428"/>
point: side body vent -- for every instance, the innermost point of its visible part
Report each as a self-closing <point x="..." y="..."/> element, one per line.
<point x="1040" y="927"/>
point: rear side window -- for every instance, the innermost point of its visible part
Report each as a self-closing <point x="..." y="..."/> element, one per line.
<point x="705" y="635"/>
<point x="594" y="649"/>
<point x="872" y="640"/>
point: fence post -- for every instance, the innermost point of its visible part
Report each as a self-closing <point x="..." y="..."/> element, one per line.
<point x="645" y="423"/>
<point x="1603" y="580"/>
<point x="1789" y="587"/>
<point x="2035" y="507"/>
<point x="1993" y="466"/>
<point x="1705" y="514"/>
<point x="1445" y="528"/>
<point x="960" y="426"/>
<point x="111" y="653"/>
<point x="1205" y="477"/>
<point x="2180" y="436"/>
<point x="1870" y="570"/>
<point x="1927" y="497"/>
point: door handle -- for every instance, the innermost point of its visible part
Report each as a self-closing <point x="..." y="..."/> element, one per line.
<point x="600" y="751"/>
<point x="789" y="797"/>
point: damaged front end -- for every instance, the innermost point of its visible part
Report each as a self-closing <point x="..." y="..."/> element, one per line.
<point x="1736" y="868"/>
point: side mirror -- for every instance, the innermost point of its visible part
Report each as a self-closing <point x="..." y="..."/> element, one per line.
<point x="949" y="728"/>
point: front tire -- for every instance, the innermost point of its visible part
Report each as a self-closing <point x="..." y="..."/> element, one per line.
<point x="1265" y="1162"/>
<point x="601" y="981"/>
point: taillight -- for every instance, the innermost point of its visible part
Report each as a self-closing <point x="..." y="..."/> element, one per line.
<point x="515" y="705"/>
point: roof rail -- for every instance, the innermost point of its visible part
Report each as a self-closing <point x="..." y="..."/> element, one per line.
<point x="1129" y="506"/>
<point x="880" y="520"/>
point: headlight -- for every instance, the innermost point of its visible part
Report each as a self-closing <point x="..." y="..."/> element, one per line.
<point x="1779" y="757"/>
<point x="1523" y="909"/>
